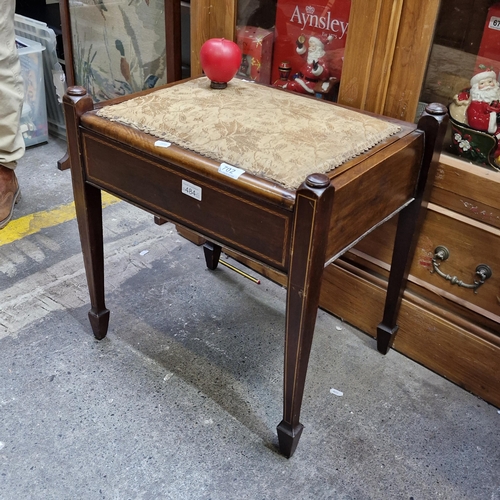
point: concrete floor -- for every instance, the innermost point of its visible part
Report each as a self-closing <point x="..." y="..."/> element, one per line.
<point x="182" y="398"/>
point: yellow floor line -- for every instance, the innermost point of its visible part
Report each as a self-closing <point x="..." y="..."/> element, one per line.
<point x="32" y="223"/>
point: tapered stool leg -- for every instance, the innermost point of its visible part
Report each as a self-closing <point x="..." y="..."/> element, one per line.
<point x="88" y="211"/>
<point x="433" y="124"/>
<point x="310" y="232"/>
<point x="212" y="253"/>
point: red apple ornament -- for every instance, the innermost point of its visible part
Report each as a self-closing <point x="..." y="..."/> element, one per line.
<point x="220" y="60"/>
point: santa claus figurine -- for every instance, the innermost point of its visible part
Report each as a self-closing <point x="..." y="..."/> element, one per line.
<point x="483" y="102"/>
<point x="315" y="68"/>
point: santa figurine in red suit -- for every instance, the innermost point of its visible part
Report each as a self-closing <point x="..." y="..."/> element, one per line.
<point x="315" y="68"/>
<point x="483" y="104"/>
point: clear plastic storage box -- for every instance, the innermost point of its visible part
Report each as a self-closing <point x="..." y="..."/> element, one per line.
<point x="54" y="77"/>
<point x="34" y="116"/>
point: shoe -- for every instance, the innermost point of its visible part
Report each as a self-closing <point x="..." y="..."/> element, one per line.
<point x="9" y="194"/>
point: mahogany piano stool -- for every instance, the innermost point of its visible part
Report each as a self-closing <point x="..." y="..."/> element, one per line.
<point x="305" y="229"/>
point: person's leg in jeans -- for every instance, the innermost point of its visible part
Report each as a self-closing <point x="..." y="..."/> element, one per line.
<point x="11" y="101"/>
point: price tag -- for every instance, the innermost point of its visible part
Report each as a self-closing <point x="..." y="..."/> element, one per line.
<point x="230" y="171"/>
<point x="494" y="23"/>
<point x="191" y="190"/>
<point x="163" y="144"/>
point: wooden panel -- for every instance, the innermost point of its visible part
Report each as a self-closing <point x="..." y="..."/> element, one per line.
<point x="468" y="189"/>
<point x="386" y="55"/>
<point x="200" y="32"/>
<point x="424" y="336"/>
<point x="363" y="32"/>
<point x="373" y="190"/>
<point x="223" y="19"/>
<point x="210" y="19"/>
<point x="383" y="54"/>
<point x="410" y="59"/>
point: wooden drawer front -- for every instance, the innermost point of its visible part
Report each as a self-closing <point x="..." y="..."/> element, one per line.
<point x="470" y="243"/>
<point x="469" y="190"/>
<point x="259" y="230"/>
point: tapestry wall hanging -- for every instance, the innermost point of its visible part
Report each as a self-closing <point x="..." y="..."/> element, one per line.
<point x="118" y="45"/>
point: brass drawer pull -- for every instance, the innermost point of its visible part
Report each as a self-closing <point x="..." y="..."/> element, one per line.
<point x="483" y="271"/>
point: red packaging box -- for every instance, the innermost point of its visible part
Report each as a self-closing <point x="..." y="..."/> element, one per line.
<point x="489" y="50"/>
<point x="327" y="20"/>
<point x="256" y="44"/>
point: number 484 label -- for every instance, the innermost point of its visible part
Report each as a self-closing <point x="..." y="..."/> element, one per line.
<point x="191" y="190"/>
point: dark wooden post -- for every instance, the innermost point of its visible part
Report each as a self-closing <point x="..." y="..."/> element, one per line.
<point x="88" y="210"/>
<point x="313" y="205"/>
<point x="173" y="40"/>
<point x="433" y="124"/>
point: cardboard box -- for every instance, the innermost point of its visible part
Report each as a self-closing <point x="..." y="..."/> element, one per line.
<point x="34" y="115"/>
<point x="256" y="44"/>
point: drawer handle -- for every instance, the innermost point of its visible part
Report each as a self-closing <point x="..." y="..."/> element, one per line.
<point x="483" y="272"/>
